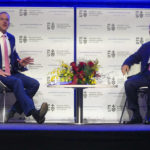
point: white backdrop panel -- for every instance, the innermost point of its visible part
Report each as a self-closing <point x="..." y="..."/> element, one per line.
<point x="47" y="35"/>
<point x="110" y="35"/>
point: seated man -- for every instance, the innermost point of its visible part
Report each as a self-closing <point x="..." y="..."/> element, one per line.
<point x="137" y="81"/>
<point x="23" y="86"/>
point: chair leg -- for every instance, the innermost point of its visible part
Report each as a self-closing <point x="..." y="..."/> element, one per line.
<point x="4" y="105"/>
<point x="123" y="111"/>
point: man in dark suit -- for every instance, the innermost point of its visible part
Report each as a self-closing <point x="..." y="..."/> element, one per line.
<point x="133" y="83"/>
<point x="23" y="87"/>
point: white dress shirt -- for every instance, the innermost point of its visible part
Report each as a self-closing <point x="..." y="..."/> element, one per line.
<point x="2" y="48"/>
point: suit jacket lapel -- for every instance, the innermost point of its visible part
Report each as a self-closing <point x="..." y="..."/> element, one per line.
<point x="11" y="48"/>
<point x="11" y="43"/>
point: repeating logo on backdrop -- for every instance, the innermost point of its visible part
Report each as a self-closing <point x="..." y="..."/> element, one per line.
<point x="139" y="14"/>
<point x="82" y="40"/>
<point x="50" y="52"/>
<point x="111" y="54"/>
<point x="23" y="39"/>
<point x="82" y="13"/>
<point x="139" y="40"/>
<point x="111" y="27"/>
<point x="23" y="12"/>
<point x="84" y="94"/>
<point x="51" y="107"/>
<point x="113" y="108"/>
<point x="111" y="81"/>
<point x="50" y="26"/>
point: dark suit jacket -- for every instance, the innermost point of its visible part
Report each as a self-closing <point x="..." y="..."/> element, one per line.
<point x="15" y="67"/>
<point x="141" y="55"/>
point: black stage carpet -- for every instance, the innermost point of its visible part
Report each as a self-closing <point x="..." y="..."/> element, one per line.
<point x="74" y="137"/>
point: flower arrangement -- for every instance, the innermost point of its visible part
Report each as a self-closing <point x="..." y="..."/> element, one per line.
<point x="62" y="74"/>
<point x="83" y="73"/>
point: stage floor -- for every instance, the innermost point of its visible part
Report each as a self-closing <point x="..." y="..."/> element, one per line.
<point x="75" y="127"/>
<point x="25" y="136"/>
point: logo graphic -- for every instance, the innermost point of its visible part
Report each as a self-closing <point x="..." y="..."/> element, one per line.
<point x="111" y="27"/>
<point x="111" y="81"/>
<point x="85" y="94"/>
<point x="139" y="40"/>
<point x="50" y="26"/>
<point x="23" y="12"/>
<point x="51" y="107"/>
<point x="113" y="108"/>
<point x="82" y="13"/>
<point x="82" y="40"/>
<point x="23" y="39"/>
<point x="50" y="52"/>
<point x="139" y="14"/>
<point x="111" y="54"/>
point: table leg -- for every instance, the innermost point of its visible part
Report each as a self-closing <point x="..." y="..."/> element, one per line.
<point x="79" y="106"/>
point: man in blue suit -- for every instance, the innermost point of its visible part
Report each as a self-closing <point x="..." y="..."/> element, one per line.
<point x="134" y="82"/>
<point x="24" y="87"/>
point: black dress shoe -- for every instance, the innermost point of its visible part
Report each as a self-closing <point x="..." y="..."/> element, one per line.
<point x="147" y="118"/>
<point x="39" y="115"/>
<point x="134" y="121"/>
<point x="42" y="120"/>
<point x="146" y="121"/>
<point x="9" y="114"/>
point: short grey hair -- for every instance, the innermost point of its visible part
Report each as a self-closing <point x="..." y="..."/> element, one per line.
<point x="4" y="12"/>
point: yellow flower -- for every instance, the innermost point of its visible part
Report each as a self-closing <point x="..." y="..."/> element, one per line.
<point x="52" y="78"/>
<point x="93" y="81"/>
<point x="62" y="79"/>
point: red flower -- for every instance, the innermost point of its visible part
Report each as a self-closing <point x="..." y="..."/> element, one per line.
<point x="94" y="72"/>
<point x="73" y="64"/>
<point x="75" y="69"/>
<point x="82" y="72"/>
<point x="81" y="64"/>
<point x="75" y="80"/>
<point x="90" y="63"/>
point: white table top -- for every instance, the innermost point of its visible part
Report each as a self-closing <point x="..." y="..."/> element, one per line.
<point x="81" y="86"/>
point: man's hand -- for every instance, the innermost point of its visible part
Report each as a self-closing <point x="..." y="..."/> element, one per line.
<point x="4" y="74"/>
<point x="25" y="61"/>
<point x="125" y="69"/>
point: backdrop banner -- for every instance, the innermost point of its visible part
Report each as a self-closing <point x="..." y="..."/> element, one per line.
<point x="107" y="34"/>
<point x="110" y="35"/>
<point x="47" y="35"/>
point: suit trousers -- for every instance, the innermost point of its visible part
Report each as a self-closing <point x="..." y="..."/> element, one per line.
<point x="132" y="85"/>
<point x="24" y="88"/>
